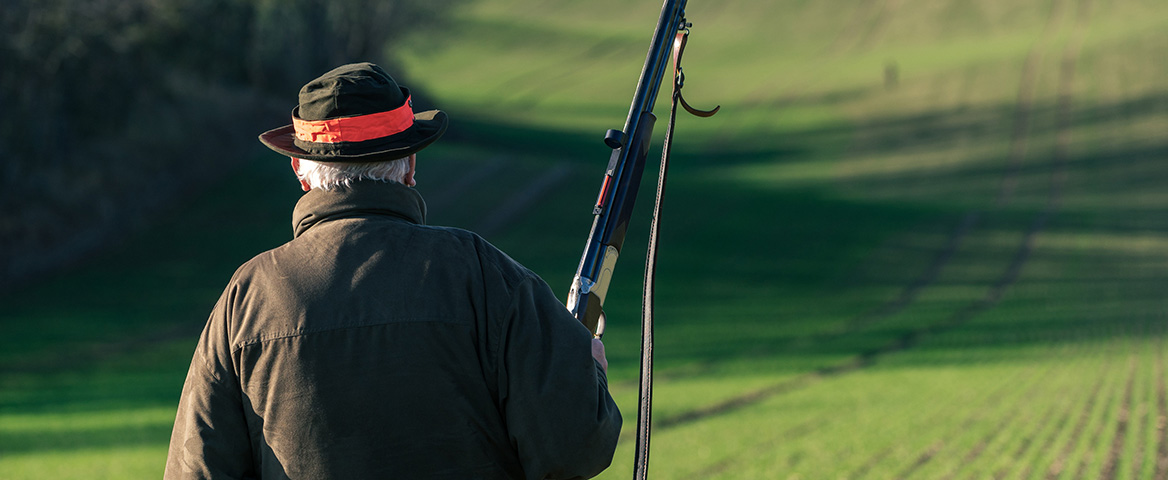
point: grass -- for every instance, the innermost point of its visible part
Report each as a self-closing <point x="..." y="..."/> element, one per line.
<point x="958" y="275"/>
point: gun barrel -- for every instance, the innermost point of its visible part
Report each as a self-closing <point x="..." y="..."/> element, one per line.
<point x="622" y="177"/>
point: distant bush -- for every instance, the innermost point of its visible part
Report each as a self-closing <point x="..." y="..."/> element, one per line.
<point x="109" y="103"/>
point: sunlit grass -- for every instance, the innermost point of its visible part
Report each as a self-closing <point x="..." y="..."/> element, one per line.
<point x="816" y="219"/>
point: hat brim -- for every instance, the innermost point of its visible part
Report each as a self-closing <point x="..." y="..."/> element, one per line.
<point x="428" y="127"/>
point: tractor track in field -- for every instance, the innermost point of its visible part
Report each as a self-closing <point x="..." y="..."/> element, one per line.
<point x="1024" y="104"/>
<point x="967" y="223"/>
<point x="904" y="341"/>
<point x="1058" y="178"/>
<point x="1019" y="140"/>
<point x="912" y="291"/>
<point x="1060" y="158"/>
<point x="996" y="290"/>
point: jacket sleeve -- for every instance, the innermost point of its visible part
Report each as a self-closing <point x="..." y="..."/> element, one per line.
<point x="559" y="414"/>
<point x="210" y="437"/>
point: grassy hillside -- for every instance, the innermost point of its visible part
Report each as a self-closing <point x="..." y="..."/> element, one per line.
<point x="922" y="240"/>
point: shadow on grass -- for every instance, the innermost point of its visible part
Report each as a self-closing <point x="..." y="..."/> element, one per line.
<point x="752" y="275"/>
<point x="768" y="261"/>
<point x="103" y="438"/>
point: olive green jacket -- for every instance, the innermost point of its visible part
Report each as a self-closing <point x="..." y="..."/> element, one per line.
<point x="374" y="346"/>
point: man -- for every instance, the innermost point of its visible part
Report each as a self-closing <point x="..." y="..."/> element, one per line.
<point x="374" y="346"/>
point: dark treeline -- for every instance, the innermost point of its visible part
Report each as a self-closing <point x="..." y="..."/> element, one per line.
<point x="107" y="104"/>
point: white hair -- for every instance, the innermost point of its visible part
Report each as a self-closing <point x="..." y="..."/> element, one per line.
<point x="329" y="175"/>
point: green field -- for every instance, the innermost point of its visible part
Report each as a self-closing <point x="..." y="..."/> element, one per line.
<point x="923" y="239"/>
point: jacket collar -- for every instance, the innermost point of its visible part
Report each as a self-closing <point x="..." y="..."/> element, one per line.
<point x="363" y="198"/>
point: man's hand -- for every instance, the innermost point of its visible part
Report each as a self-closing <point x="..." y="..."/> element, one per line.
<point x="598" y="354"/>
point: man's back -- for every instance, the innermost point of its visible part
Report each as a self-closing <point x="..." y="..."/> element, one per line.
<point x="372" y="347"/>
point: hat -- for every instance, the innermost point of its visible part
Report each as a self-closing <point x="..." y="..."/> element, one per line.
<point x="355" y="113"/>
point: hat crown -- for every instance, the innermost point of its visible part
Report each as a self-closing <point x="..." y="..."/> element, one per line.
<point x="349" y="90"/>
<point x="355" y="113"/>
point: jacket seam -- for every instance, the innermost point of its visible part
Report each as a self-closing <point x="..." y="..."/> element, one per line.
<point x="285" y="335"/>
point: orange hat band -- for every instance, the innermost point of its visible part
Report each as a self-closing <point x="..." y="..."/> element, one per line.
<point x="356" y="129"/>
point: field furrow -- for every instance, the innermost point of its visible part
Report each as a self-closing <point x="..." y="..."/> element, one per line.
<point x="1111" y="465"/>
<point x="1024" y="105"/>
<point x="1132" y="460"/>
<point x="1075" y="411"/>
<point x="1016" y="421"/>
<point x="1093" y="450"/>
<point x="1083" y="420"/>
<point x="1161" y="471"/>
<point x="1053" y="420"/>
<point x="940" y="418"/>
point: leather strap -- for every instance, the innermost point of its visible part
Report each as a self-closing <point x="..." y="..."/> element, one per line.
<point x="645" y="405"/>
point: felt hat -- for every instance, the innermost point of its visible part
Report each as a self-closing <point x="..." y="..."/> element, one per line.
<point x="355" y="113"/>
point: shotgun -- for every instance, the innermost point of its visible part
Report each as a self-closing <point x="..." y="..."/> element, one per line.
<point x="614" y="206"/>
<point x="622" y="177"/>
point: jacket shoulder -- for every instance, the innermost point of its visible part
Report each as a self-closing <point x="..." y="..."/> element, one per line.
<point x="492" y="260"/>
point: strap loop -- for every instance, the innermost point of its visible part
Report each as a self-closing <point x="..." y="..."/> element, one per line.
<point x="679" y="77"/>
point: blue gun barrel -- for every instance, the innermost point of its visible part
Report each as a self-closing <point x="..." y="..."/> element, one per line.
<point x="622" y="177"/>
